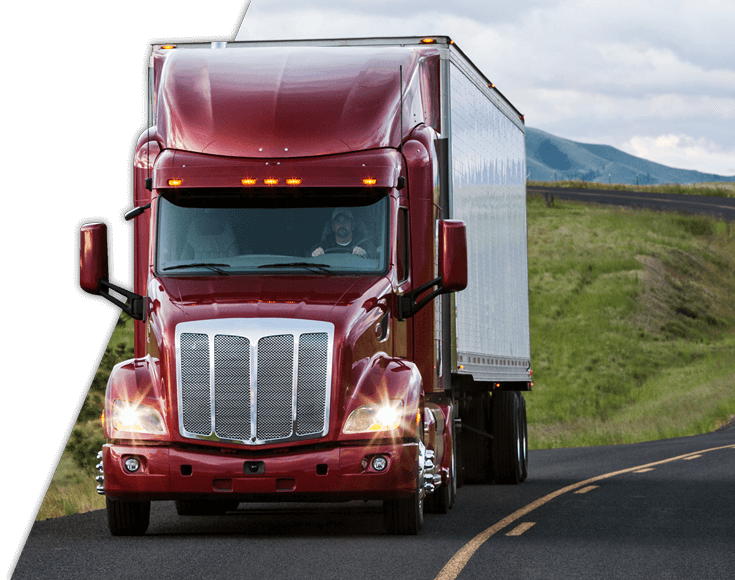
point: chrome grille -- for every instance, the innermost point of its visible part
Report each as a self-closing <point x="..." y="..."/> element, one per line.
<point x="195" y="383"/>
<point x="275" y="387"/>
<point x="312" y="376"/>
<point x="254" y="381"/>
<point x="232" y="387"/>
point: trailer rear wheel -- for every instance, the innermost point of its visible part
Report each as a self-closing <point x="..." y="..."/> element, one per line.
<point x="509" y="447"/>
<point x="128" y="518"/>
<point x="524" y="434"/>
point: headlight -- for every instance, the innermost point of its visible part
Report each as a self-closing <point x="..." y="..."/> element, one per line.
<point x="377" y="417"/>
<point x="134" y="418"/>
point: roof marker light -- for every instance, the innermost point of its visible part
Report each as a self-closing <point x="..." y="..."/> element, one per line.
<point x="168" y="46"/>
<point x="270" y="181"/>
<point x="294" y="181"/>
<point x="175" y="182"/>
<point x="370" y="181"/>
<point x="428" y="41"/>
<point x="248" y="181"/>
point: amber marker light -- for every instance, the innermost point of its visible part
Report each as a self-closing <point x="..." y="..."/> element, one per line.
<point x="168" y="46"/>
<point x="428" y="41"/>
<point x="294" y="181"/>
<point x="370" y="181"/>
<point x="248" y="181"/>
<point x="270" y="181"/>
<point x="175" y="182"/>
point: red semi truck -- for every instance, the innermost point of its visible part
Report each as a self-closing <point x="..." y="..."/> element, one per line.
<point x="330" y="282"/>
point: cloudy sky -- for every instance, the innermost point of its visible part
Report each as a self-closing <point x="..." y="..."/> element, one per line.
<point x="655" y="79"/>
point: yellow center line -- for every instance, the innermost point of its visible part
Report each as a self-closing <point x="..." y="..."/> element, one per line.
<point x="644" y="470"/>
<point x="520" y="529"/>
<point x="452" y="568"/>
<point x="586" y="489"/>
<point x="692" y="457"/>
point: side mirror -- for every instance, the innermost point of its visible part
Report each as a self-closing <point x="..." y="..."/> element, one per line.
<point x="94" y="273"/>
<point x="453" y="255"/>
<point x="93" y="257"/>
<point x="452" y="269"/>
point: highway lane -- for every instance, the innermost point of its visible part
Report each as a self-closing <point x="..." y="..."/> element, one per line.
<point x="721" y="207"/>
<point x="673" y="520"/>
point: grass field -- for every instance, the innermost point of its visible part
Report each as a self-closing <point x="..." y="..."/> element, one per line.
<point x="717" y="189"/>
<point x="632" y="336"/>
<point x="632" y="324"/>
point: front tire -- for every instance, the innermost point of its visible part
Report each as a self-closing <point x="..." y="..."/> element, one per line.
<point x="128" y="518"/>
<point x="405" y="516"/>
<point x="442" y="500"/>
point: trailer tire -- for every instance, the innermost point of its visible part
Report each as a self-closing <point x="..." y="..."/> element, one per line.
<point x="405" y="516"/>
<point x="128" y="518"/>
<point x="508" y="428"/>
<point x="524" y="442"/>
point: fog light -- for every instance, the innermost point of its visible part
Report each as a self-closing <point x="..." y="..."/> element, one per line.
<point x="132" y="464"/>
<point x="379" y="463"/>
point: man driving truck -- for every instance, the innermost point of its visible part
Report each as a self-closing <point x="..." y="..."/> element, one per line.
<point x="342" y="236"/>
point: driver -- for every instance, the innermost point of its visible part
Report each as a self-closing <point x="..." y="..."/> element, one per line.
<point x="342" y="235"/>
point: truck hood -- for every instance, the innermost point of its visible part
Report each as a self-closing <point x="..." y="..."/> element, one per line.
<point x="174" y="300"/>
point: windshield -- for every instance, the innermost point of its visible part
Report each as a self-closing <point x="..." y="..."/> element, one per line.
<point x="206" y="236"/>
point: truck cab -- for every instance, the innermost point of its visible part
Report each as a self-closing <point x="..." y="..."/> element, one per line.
<point x="293" y="262"/>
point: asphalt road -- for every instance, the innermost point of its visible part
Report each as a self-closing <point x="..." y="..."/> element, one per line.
<point x="662" y="509"/>
<point x="721" y="207"/>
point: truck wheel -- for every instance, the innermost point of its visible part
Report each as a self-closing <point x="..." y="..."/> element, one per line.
<point x="524" y="435"/>
<point x="442" y="500"/>
<point x="128" y="518"/>
<point x="205" y="507"/>
<point x="508" y="439"/>
<point x="405" y="516"/>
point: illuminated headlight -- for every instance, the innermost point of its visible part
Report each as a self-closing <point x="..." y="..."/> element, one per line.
<point x="378" y="417"/>
<point x="134" y="418"/>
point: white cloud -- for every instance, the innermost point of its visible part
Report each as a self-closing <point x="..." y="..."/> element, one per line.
<point x="684" y="152"/>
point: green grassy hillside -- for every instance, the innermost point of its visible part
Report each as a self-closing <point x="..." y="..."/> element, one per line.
<point x="632" y="324"/>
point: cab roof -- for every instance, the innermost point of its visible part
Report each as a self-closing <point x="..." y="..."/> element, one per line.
<point x="293" y="101"/>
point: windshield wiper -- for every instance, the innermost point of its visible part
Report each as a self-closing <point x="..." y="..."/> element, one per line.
<point x="214" y="267"/>
<point x="323" y="268"/>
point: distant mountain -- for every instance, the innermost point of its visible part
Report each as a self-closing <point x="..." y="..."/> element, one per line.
<point x="550" y="158"/>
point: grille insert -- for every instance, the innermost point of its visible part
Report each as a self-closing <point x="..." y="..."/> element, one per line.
<point x="254" y="385"/>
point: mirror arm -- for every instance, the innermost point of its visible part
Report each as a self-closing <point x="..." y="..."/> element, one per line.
<point x="407" y="305"/>
<point x="135" y="305"/>
<point x="136" y="211"/>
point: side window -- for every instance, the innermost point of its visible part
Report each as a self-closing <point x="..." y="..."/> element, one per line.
<point x="402" y="246"/>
